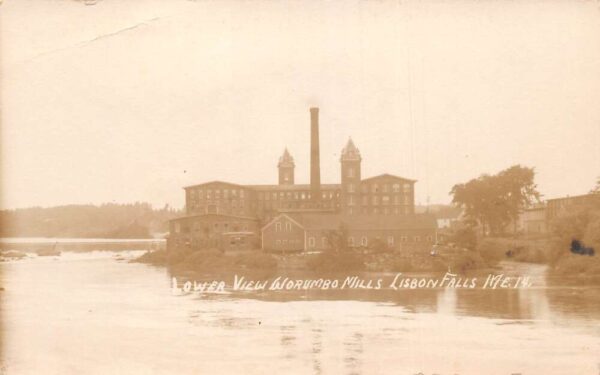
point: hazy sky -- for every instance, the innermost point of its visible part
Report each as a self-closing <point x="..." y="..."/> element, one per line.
<point x="132" y="100"/>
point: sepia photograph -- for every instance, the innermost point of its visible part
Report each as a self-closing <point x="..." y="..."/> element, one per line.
<point x="361" y="187"/>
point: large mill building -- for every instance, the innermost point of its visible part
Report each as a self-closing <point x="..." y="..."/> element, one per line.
<point x="303" y="217"/>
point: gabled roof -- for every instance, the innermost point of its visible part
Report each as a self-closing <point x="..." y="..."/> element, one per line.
<point x="388" y="175"/>
<point x="279" y="217"/>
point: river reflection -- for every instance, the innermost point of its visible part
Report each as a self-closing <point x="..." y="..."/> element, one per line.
<point x="90" y="313"/>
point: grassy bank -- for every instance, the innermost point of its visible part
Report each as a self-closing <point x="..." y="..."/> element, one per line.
<point x="536" y="250"/>
<point x="212" y="261"/>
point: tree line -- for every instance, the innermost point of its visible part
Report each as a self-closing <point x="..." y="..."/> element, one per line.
<point x="110" y="220"/>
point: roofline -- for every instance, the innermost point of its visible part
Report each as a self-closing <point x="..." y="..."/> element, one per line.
<point x="573" y="196"/>
<point x="225" y="215"/>
<point x="389" y="175"/>
<point x="276" y="218"/>
<point x="212" y="182"/>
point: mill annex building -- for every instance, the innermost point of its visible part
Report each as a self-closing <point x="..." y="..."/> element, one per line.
<point x="291" y="217"/>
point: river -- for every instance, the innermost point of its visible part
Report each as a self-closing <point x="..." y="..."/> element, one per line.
<point x="94" y="313"/>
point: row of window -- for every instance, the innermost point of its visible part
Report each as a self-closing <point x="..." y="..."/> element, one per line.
<point x="216" y="193"/>
<point x="296" y="195"/>
<point x="384" y="188"/>
<point x="364" y="241"/>
<point x="279" y="227"/>
<point x="385" y="200"/>
<point x="406" y="210"/>
<point x="199" y="226"/>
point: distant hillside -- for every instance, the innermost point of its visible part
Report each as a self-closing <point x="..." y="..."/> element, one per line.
<point x="136" y="220"/>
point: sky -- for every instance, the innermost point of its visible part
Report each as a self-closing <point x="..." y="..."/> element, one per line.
<point x="126" y="101"/>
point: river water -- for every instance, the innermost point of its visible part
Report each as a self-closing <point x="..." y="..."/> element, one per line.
<point x="93" y="313"/>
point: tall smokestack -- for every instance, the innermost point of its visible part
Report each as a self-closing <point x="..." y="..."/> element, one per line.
<point x="315" y="163"/>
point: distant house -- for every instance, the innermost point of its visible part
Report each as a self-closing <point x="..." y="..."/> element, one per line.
<point x="559" y="206"/>
<point x="533" y="220"/>
<point x="447" y="217"/>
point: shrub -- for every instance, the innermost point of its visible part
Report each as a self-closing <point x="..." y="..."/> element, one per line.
<point x="465" y="237"/>
<point x="255" y="260"/>
<point x="336" y="262"/>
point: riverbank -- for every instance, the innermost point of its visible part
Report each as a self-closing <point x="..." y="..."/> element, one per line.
<point x="213" y="260"/>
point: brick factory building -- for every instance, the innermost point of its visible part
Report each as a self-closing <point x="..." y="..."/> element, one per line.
<point x="303" y="217"/>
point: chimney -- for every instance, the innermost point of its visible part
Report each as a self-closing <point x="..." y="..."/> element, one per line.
<point x="315" y="164"/>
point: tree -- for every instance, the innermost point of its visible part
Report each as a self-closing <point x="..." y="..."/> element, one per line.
<point x="494" y="200"/>
<point x="596" y="189"/>
<point x="517" y="186"/>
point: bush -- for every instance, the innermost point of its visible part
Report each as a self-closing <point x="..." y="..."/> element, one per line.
<point x="336" y="262"/>
<point x="465" y="237"/>
<point x="581" y="224"/>
<point x="256" y="260"/>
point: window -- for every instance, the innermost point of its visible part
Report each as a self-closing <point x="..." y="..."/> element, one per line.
<point x="208" y="194"/>
<point x="396" y="188"/>
<point x="241" y="194"/>
<point x="350" y="201"/>
<point x="350" y="172"/>
<point x="303" y="196"/>
<point x="390" y="241"/>
<point x="284" y="242"/>
<point x="311" y="242"/>
<point x="288" y="227"/>
<point x="375" y="200"/>
<point x="404" y="238"/>
<point x="385" y="188"/>
<point x="278" y="242"/>
<point x="407" y="188"/>
<point x="375" y="188"/>
<point x="177" y="227"/>
<point x="351" y="241"/>
<point x="274" y="196"/>
<point x="430" y="238"/>
<point x="365" y="200"/>
<point x="417" y="239"/>
<point x="385" y="199"/>
<point x="225" y="193"/>
<point x="406" y="199"/>
<point x="364" y="241"/>
<point x="277" y="227"/>
<point x="350" y="188"/>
